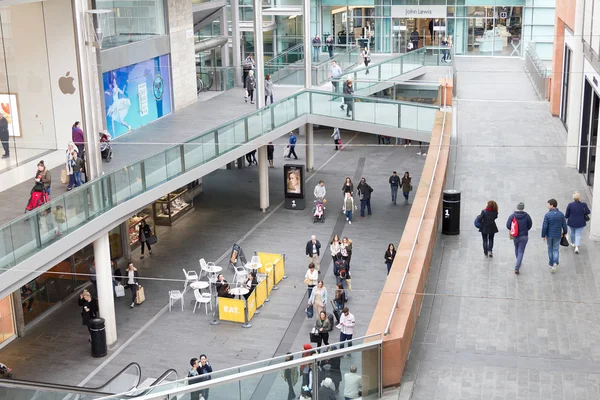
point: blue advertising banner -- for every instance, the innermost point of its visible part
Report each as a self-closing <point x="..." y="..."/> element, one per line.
<point x="137" y="95"/>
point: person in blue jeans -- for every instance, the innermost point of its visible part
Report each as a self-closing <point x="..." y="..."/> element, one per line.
<point x="553" y="228"/>
<point x="292" y="146"/>
<point x="364" y="194"/>
<point x="575" y="215"/>
<point x="524" y="223"/>
<point x="394" y="183"/>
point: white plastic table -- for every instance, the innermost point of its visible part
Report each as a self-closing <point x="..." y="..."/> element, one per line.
<point x="199" y="285"/>
<point x="253" y="267"/>
<point x="239" y="291"/>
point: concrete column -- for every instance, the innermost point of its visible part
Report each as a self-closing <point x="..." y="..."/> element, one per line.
<point x="307" y="43"/>
<point x="235" y="40"/>
<point x="310" y="154"/>
<point x="575" y="90"/>
<point x="259" y="56"/>
<point x="263" y="178"/>
<point x="224" y="32"/>
<point x="104" y="283"/>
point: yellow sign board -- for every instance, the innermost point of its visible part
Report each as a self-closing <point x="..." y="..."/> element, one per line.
<point x="231" y="310"/>
<point x="251" y="302"/>
<point x="261" y="293"/>
<point x="267" y="258"/>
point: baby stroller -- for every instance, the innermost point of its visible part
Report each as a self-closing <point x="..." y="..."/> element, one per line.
<point x="105" y="147"/>
<point x="38" y="197"/>
<point x="319" y="211"/>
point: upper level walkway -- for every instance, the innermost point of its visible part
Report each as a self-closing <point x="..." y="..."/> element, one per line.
<point x="28" y="241"/>
<point x="484" y="332"/>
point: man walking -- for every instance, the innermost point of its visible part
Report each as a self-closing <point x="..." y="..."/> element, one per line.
<point x="364" y="194"/>
<point x="346" y="327"/>
<point x="4" y="135"/>
<point x="292" y="146"/>
<point x="313" y="251"/>
<point x="316" y="42"/>
<point x="553" y="228"/>
<point x="394" y="183"/>
<point x="348" y="100"/>
<point x="524" y="224"/>
<point x="336" y="72"/>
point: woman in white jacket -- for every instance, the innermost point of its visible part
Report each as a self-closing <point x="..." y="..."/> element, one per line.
<point x="337" y="138"/>
<point x="348" y="207"/>
<point x="69" y="165"/>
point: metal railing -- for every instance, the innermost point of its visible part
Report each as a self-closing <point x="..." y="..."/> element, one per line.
<point x="289" y="56"/>
<point x="538" y="73"/>
<point x="421" y="219"/>
<point x="214" y="78"/>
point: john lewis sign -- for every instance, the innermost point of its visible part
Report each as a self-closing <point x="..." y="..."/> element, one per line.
<point x="419" y="11"/>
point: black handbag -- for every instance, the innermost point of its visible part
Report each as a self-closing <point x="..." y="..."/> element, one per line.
<point x="586" y="217"/>
<point x="310" y="311"/>
<point x="152" y="240"/>
<point x="314" y="336"/>
<point x="563" y="241"/>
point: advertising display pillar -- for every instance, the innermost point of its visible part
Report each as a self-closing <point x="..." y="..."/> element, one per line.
<point x="263" y="178"/>
<point x="310" y="154"/>
<point x="293" y="180"/>
<point x="106" y="302"/>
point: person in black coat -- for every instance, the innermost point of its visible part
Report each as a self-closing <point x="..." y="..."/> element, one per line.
<point x="488" y="228"/>
<point x="144" y="234"/>
<point x="389" y="256"/>
<point x="89" y="309"/>
<point x="4" y="136"/>
<point x="204" y="370"/>
<point x="364" y="194"/>
<point x="250" y="284"/>
<point x="270" y="152"/>
<point x="133" y="282"/>
<point x="223" y="287"/>
<point x="313" y="251"/>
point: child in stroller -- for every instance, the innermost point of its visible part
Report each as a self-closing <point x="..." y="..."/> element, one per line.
<point x="319" y="210"/>
<point x="105" y="147"/>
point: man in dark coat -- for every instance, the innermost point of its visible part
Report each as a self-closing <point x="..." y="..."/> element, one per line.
<point x="4" y="135"/>
<point x="364" y="194"/>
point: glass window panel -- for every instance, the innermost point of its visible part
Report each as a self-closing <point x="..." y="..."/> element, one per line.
<point x="426" y="118"/>
<point x="209" y="148"/>
<point x="76" y="208"/>
<point x="7" y="259"/>
<point x="255" y="124"/>
<point x="227" y="138"/>
<point x="408" y="117"/>
<point x="387" y="114"/>
<point x="364" y="111"/>
<point x="173" y="161"/>
<point x="596" y="28"/>
<point x="121" y="190"/>
<point x="193" y="153"/>
<point x="155" y="169"/>
<point x="135" y="179"/>
<point x="543" y="16"/>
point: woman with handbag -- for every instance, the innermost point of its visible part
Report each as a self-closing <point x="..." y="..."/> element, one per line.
<point x="310" y="278"/>
<point x="488" y="228"/>
<point x="145" y="233"/>
<point x="577" y="214"/>
<point x="406" y="186"/>
<point x="89" y="309"/>
<point x="133" y="282"/>
<point x="366" y="55"/>
<point x="346" y="251"/>
<point x="318" y="298"/>
<point x="336" y="248"/>
<point x="322" y="328"/>
<point x="339" y="300"/>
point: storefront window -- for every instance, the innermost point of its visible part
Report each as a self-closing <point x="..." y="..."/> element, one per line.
<point x="7" y="320"/>
<point x="132" y="21"/>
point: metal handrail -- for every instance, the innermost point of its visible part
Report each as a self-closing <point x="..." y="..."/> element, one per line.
<point x="156" y="383"/>
<point x="258" y="371"/>
<point x="56" y="387"/>
<point x="416" y="239"/>
<point x="536" y="60"/>
<point x="296" y="47"/>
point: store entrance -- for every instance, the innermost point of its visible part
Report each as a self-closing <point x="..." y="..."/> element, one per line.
<point x="589" y="133"/>
<point x="429" y="32"/>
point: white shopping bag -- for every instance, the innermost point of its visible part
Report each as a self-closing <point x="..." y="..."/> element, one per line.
<point x="286" y="151"/>
<point x="120" y="291"/>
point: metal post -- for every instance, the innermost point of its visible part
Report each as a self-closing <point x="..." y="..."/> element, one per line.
<point x="307" y="43"/>
<point x="259" y="55"/>
<point x="247" y="323"/>
<point x="235" y="40"/>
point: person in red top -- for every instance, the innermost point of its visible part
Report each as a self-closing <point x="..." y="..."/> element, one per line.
<point x="306" y="369"/>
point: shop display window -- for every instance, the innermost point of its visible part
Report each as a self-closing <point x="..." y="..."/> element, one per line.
<point x="7" y="320"/>
<point x="134" y="223"/>
<point x="171" y="207"/>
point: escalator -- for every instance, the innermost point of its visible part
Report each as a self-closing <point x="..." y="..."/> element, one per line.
<point x="125" y="381"/>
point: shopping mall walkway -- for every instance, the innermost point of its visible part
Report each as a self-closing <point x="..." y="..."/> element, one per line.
<point x="224" y="214"/>
<point x="484" y="332"/>
<point x="150" y="139"/>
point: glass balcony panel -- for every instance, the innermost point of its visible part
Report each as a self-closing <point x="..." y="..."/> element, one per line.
<point x="155" y="169"/>
<point x="173" y="162"/>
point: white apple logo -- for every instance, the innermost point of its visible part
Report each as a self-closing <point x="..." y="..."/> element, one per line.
<point x="65" y="84"/>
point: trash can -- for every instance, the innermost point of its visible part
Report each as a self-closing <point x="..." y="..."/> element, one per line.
<point x="98" y="333"/>
<point x="451" y="212"/>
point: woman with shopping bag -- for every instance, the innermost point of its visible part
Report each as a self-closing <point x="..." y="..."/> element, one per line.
<point x="134" y="285"/>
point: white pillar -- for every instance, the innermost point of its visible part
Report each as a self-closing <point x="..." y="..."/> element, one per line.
<point x="259" y="55"/>
<point x="275" y="46"/>
<point x="307" y="43"/>
<point x="224" y="32"/>
<point x="263" y="178"/>
<point x="595" y="219"/>
<point x="105" y="287"/>
<point x="575" y="90"/>
<point x="310" y="154"/>
<point x="235" y="40"/>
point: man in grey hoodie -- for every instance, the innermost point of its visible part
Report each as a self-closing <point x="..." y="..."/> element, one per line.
<point x="194" y="377"/>
<point x="524" y="223"/>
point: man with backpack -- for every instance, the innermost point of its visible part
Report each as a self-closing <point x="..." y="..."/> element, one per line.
<point x="364" y="194"/>
<point x="519" y="223"/>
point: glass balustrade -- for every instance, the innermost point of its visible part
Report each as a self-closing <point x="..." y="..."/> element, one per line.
<point x="32" y="232"/>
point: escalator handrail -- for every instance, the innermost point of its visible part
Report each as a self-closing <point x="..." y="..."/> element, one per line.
<point x="56" y="387"/>
<point x="154" y="384"/>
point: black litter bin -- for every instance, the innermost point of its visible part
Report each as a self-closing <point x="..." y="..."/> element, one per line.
<point x="98" y="333"/>
<point x="451" y="212"/>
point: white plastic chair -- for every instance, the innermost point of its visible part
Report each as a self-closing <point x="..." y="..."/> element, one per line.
<point x="255" y="260"/>
<point x="175" y="295"/>
<point x="190" y="276"/>
<point x="202" y="297"/>
<point x="204" y="267"/>
<point x="240" y="274"/>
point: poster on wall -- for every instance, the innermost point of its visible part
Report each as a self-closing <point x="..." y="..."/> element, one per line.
<point x="293" y="176"/>
<point x="10" y="109"/>
<point x="137" y="95"/>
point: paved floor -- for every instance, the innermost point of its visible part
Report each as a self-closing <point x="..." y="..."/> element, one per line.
<point x="150" y="139"/>
<point x="484" y="332"/>
<point x="159" y="339"/>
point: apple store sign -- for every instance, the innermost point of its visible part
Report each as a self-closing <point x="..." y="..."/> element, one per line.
<point x="421" y="11"/>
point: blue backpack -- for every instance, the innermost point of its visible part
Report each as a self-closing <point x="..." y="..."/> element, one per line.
<point x="478" y="221"/>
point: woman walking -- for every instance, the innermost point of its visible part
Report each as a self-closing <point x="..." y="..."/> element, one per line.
<point x="488" y="227"/>
<point x="348" y="187"/>
<point x="390" y="254"/>
<point x="268" y="89"/>
<point x="339" y="300"/>
<point x="336" y="248"/>
<point x="318" y="298"/>
<point x="133" y="282"/>
<point x="323" y="327"/>
<point x="310" y="278"/>
<point x="69" y="165"/>
<point x="306" y="369"/>
<point x="366" y="55"/>
<point x="250" y="85"/>
<point x="290" y="376"/>
<point x="406" y="186"/>
<point x="89" y="309"/>
<point x="144" y="233"/>
<point x="337" y="138"/>
<point x="346" y="251"/>
<point x="577" y="214"/>
<point x="43" y="177"/>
